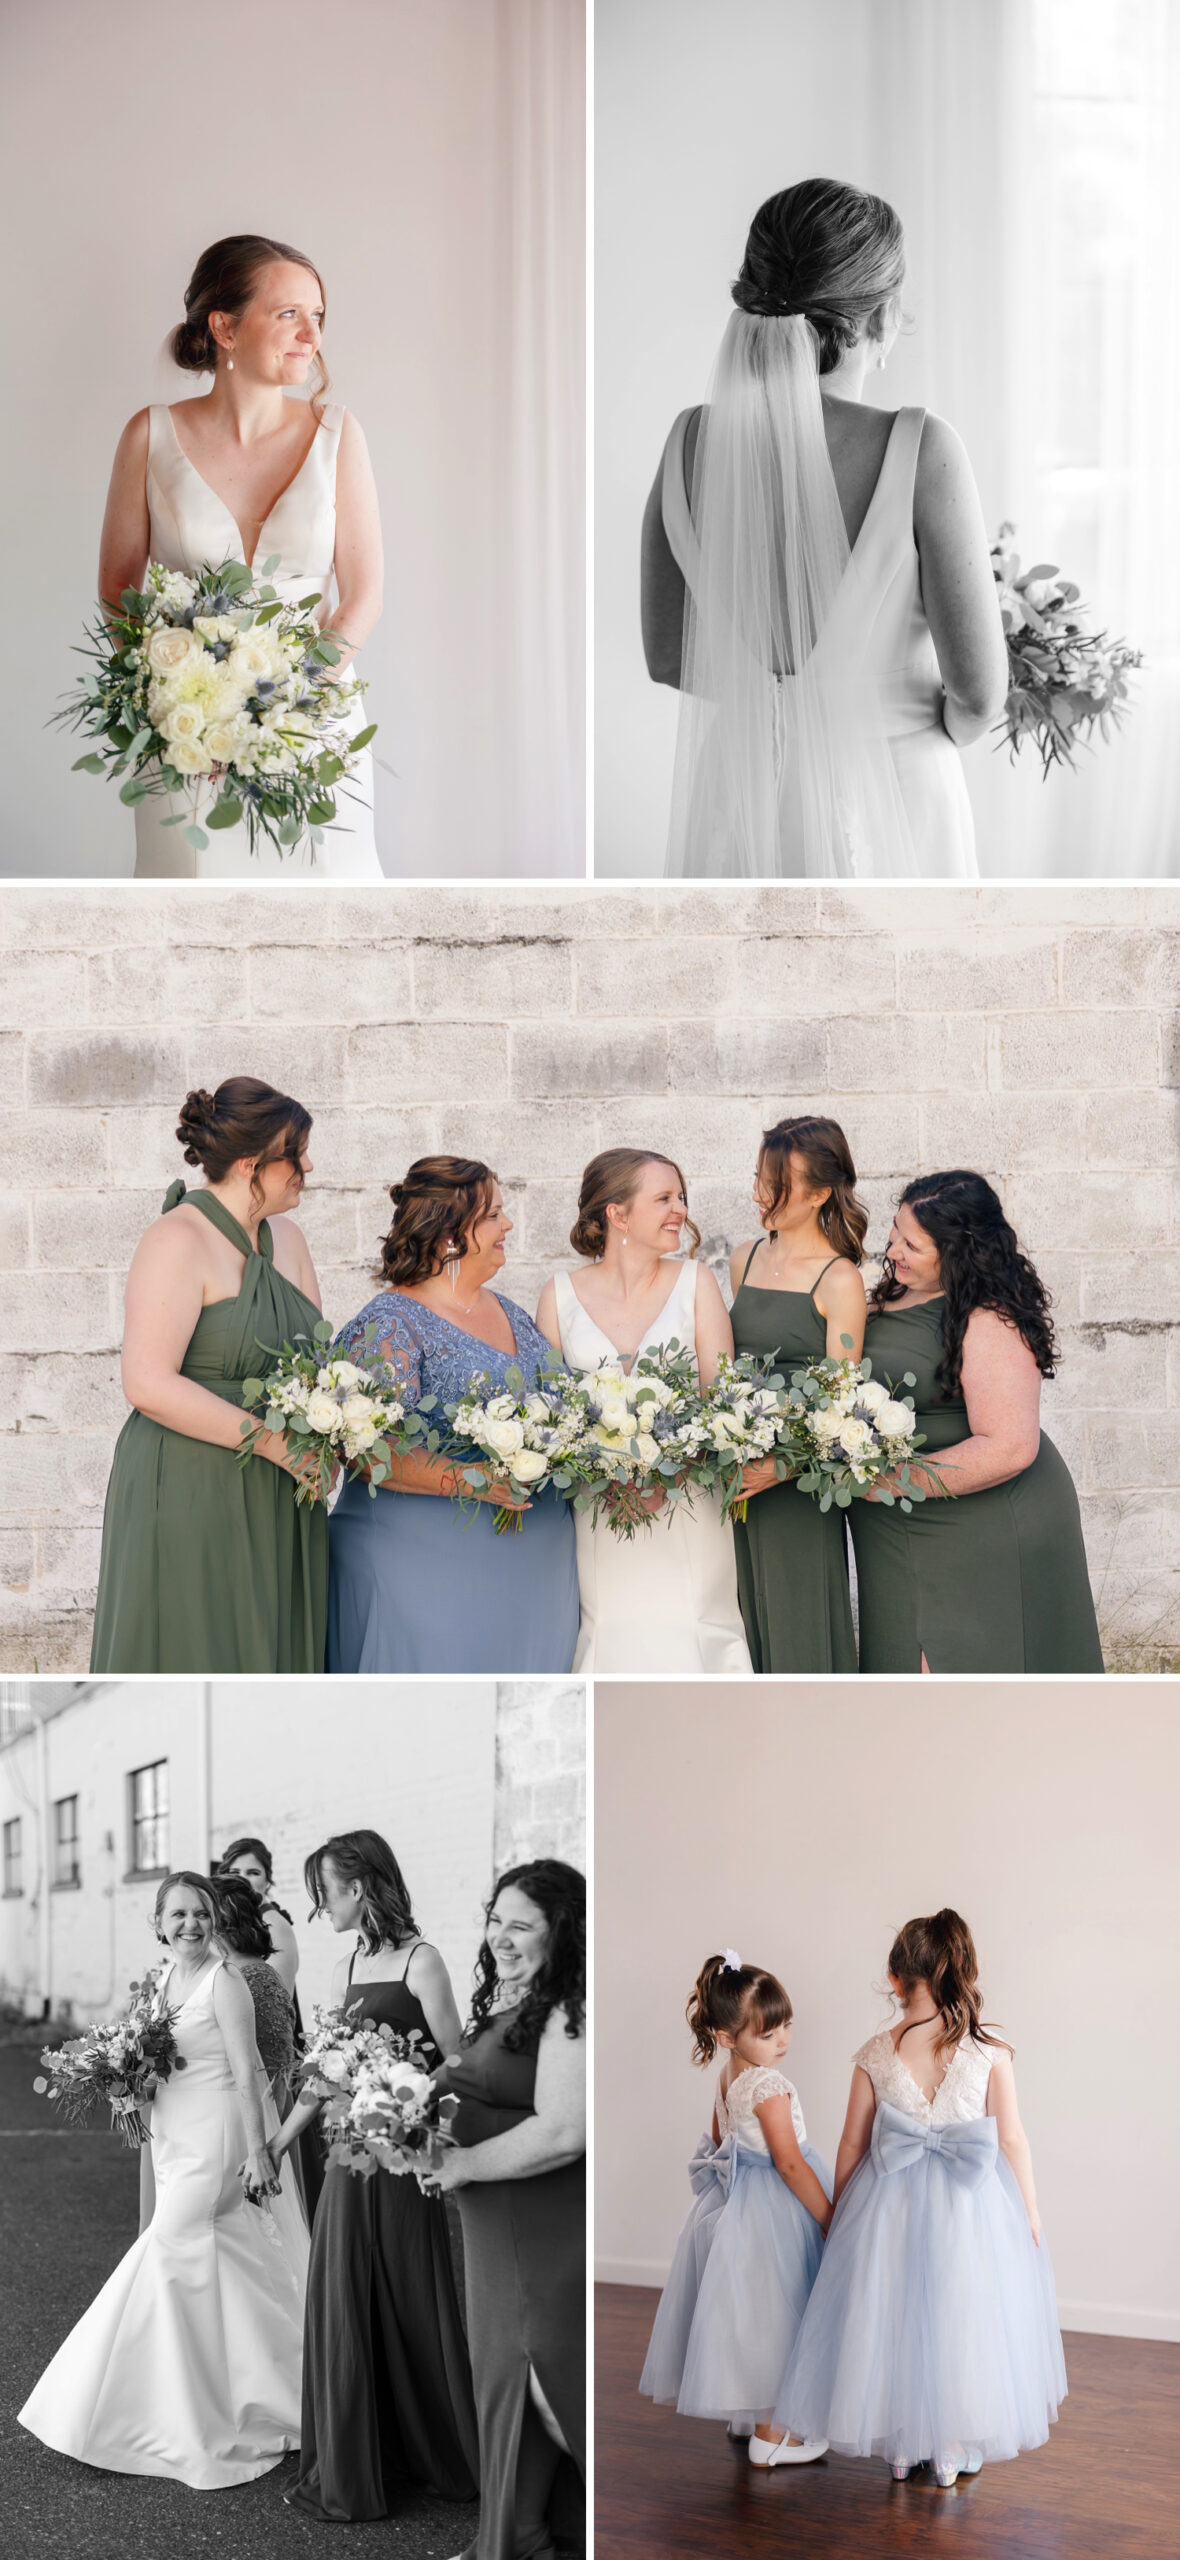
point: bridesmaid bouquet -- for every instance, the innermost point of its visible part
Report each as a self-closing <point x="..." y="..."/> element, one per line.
<point x="381" y="2107"/>
<point x="645" y="1434"/>
<point x="330" y="1410"/>
<point x="212" y="679"/>
<point x="742" y="1414"/>
<point x="526" y="1438"/>
<point x="1062" y="676"/>
<point x="840" y="1432"/>
<point x="119" y="2064"/>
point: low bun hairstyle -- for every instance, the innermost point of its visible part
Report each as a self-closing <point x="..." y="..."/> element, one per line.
<point x="980" y="1265"/>
<point x="435" y="1206"/>
<point x="611" y="1181"/>
<point x="224" y="279"/>
<point x="828" y="253"/>
<point x="828" y="1158"/>
<point x="243" y="1118"/>
<point x="725" y="1998"/>
<point x="940" y="1951"/>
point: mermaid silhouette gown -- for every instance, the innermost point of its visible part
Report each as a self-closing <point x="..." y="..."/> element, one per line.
<point x="191" y="528"/>
<point x="187" y="2364"/>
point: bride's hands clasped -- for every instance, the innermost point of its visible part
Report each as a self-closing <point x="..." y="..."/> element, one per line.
<point x="259" y="2177"/>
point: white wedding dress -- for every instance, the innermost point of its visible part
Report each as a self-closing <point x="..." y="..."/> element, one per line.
<point x="188" y="2365"/>
<point x="192" y="528"/>
<point x="666" y="1599"/>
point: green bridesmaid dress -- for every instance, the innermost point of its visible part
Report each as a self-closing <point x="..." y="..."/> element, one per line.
<point x="993" y="1581"/>
<point x="208" y="1566"/>
<point x="792" y="1560"/>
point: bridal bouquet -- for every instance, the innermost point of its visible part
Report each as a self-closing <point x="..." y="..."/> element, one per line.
<point x="213" y="680"/>
<point x="525" y="1438"/>
<point x="840" y="1431"/>
<point x="330" y="1410"/>
<point x="381" y="2108"/>
<point x="118" y="2065"/>
<point x="1062" y="676"/>
<point x="644" y="1434"/>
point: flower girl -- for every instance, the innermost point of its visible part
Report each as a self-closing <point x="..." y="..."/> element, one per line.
<point x="746" y="2259"/>
<point x="931" y="2335"/>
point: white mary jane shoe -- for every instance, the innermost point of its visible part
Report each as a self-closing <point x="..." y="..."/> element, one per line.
<point x="771" y="2457"/>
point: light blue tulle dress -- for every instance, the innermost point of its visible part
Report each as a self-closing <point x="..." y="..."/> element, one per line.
<point x="745" y="2263"/>
<point x="932" y="2329"/>
<point x="416" y="1584"/>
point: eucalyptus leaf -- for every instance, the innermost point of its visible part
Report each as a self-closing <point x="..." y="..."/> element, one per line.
<point x="364" y="738"/>
<point x="225" y="812"/>
<point x="132" y="791"/>
<point x="195" y="836"/>
<point x="89" y="764"/>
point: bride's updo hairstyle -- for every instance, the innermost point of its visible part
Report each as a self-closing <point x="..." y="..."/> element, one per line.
<point x="196" y="1884"/>
<point x="243" y="1118"/>
<point x="435" y="1206"/>
<point x="726" y="1997"/>
<point x="224" y="279"/>
<point x="384" y="1917"/>
<point x="980" y="1265"/>
<point x="611" y="1181"/>
<point x="827" y="253"/>
<point x="828" y="1158"/>
<point x="940" y="1951"/>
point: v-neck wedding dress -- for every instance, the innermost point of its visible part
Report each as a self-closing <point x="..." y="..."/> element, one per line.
<point x="192" y="527"/>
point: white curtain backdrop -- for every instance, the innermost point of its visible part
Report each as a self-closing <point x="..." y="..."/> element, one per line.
<point x="428" y="154"/>
<point x="1029" y="148"/>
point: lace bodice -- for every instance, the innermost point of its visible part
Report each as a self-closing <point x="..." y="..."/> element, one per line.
<point x="735" y="2107"/>
<point x="584" y="1345"/>
<point x="961" y="2096"/>
<point x="433" y="1357"/>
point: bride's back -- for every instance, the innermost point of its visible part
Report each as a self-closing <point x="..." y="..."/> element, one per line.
<point x="856" y="439"/>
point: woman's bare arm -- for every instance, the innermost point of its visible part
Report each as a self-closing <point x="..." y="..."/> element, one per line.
<point x="1002" y="1393"/>
<point x="360" y="567"/>
<point x="431" y="1985"/>
<point x="284" y="1956"/>
<point x="126" y="532"/>
<point x="164" y="1297"/>
<point x="548" y="2139"/>
<point x="958" y="588"/>
<point x="840" y="1298"/>
<point x="714" y="1332"/>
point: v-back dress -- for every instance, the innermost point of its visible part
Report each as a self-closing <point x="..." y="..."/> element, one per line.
<point x="666" y="1599"/>
<point x="192" y="528"/>
<point x="187" y="2364"/>
<point x="792" y="1558"/>
<point x="387" y="2398"/>
<point x="418" y="1584"/>
<point x="879" y="620"/>
<point x="208" y="1566"/>
<point x="994" y="1581"/>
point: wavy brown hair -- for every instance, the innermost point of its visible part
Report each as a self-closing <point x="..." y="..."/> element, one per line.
<point x="225" y="278"/>
<point x="940" y="1951"/>
<point x="243" y="1118"/>
<point x="725" y="1998"/>
<point x="435" y="1206"/>
<point x="827" y="1157"/>
<point x="239" y="1917"/>
<point x="829" y="252"/>
<point x="611" y="1181"/>
<point x="559" y="1892"/>
<point x="385" y="1918"/>
<point x="980" y="1265"/>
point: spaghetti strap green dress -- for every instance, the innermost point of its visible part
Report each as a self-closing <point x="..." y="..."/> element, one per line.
<point x="208" y="1566"/>
<point x="792" y="1558"/>
<point x="993" y="1581"/>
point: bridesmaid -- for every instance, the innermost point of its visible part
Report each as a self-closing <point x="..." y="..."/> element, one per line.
<point x="520" y="2171"/>
<point x="250" y="1859"/>
<point x="387" y="2399"/>
<point x="798" y="1295"/>
<point x="993" y="1579"/>
<point x="416" y="1584"/>
<point x="207" y="1566"/>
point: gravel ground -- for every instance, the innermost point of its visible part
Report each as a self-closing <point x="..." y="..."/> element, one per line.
<point x="68" y="2210"/>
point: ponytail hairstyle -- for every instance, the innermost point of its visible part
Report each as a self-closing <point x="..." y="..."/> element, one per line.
<point x="981" y="1265"/>
<point x="940" y="1951"/>
<point x="728" y="1996"/>
<point x="243" y="1118"/>
<point x="435" y="1206"/>
<point x="611" y="1181"/>
<point x="830" y="254"/>
<point x="828" y="1158"/>
<point x="225" y="278"/>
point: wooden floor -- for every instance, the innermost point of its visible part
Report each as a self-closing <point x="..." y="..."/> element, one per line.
<point x="1105" y="2487"/>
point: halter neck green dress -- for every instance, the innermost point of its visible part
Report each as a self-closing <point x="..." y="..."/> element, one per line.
<point x="208" y="1566"/>
<point x="792" y="1559"/>
<point x="993" y="1581"/>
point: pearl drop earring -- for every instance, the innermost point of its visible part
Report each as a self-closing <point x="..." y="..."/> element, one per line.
<point x="230" y="366"/>
<point x="881" y="364"/>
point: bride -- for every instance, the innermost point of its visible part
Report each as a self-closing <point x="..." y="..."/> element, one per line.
<point x="665" y="1600"/>
<point x="247" y="471"/>
<point x="187" y="2364"/>
<point x="817" y="579"/>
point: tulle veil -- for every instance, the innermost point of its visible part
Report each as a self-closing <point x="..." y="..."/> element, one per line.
<point x="783" y="766"/>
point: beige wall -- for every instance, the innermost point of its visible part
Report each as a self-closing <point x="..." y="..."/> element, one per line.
<point x="802" y="1825"/>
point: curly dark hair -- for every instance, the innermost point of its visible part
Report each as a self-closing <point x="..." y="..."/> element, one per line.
<point x="560" y="1893"/>
<point x="435" y="1206"/>
<point x="981" y="1265"/>
<point x="239" y="1916"/>
<point x="385" y="1918"/>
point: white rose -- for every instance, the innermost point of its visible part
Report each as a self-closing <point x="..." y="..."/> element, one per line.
<point x="616" y="1416"/>
<point x="215" y="626"/>
<point x="221" y="741"/>
<point x="323" y="1412"/>
<point x="826" y="1423"/>
<point x="872" y="1395"/>
<point x="359" y="1438"/>
<point x="252" y="655"/>
<point x="189" y="755"/>
<point x="184" y="720"/>
<point x="856" y="1436"/>
<point x="169" y="649"/>
<point x="648" y="1448"/>
<point x="347" y="1374"/>
<point x="503" y="1436"/>
<point x="537" y="1409"/>
<point x="357" y="1409"/>
<point x="528" y="1464"/>
<point x="334" y="2067"/>
<point x="894" y="1421"/>
<point x="500" y="1407"/>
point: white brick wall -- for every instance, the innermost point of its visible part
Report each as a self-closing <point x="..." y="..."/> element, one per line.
<point x="1031" y="1032"/>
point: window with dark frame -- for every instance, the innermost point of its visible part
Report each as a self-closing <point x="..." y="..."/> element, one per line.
<point x="148" y="1789"/>
<point x="66" y="1869"/>
<point x="12" y="1857"/>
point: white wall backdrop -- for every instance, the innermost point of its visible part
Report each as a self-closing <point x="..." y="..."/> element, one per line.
<point x="428" y="155"/>
<point x="1030" y="1033"/>
<point x="1027" y="145"/>
<point x="1045" y="1812"/>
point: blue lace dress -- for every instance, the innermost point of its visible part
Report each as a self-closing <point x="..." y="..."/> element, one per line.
<point x="415" y="1584"/>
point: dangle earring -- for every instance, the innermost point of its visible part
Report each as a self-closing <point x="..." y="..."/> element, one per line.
<point x="451" y="1262"/>
<point x="230" y="364"/>
<point x="881" y="364"/>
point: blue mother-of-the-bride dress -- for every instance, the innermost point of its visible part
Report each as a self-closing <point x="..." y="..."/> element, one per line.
<point x="416" y="1584"/>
